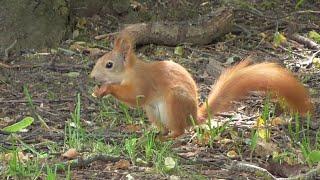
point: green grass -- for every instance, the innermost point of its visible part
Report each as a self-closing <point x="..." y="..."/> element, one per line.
<point x="74" y="133"/>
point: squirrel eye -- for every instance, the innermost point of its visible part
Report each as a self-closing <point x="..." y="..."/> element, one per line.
<point x="109" y="65"/>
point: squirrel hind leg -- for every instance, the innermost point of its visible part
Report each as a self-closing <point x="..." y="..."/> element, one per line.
<point x="180" y="105"/>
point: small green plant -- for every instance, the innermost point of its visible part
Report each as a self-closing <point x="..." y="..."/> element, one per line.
<point x="149" y="145"/>
<point x="253" y="142"/>
<point x="211" y="133"/>
<point x="101" y="147"/>
<point x="125" y="109"/>
<point x="68" y="174"/>
<point x="163" y="152"/>
<point x="18" y="168"/>
<point x="131" y="147"/>
<point x="51" y="173"/>
<point x="299" y="4"/>
<point x="33" y="109"/>
<point x="74" y="133"/>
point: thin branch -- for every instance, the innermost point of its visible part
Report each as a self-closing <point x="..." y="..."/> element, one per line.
<point x="241" y="166"/>
<point x="312" y="174"/>
<point x="80" y="162"/>
<point x="35" y="100"/>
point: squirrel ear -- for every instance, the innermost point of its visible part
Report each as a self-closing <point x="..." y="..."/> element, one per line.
<point x="123" y="45"/>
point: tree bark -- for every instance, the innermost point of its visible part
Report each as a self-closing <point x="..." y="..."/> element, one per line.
<point x="32" y="24"/>
<point x="201" y="31"/>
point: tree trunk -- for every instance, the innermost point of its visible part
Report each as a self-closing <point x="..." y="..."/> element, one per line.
<point x="32" y="24"/>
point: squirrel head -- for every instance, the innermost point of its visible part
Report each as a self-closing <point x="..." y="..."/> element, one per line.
<point x="111" y="67"/>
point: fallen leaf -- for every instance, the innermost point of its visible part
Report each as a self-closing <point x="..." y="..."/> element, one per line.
<point x="265" y="149"/>
<point x="263" y="132"/>
<point x="277" y="121"/>
<point x="122" y="164"/>
<point x="314" y="156"/>
<point x="129" y="177"/>
<point x="132" y="128"/>
<point x="178" y="50"/>
<point x="73" y="74"/>
<point x="70" y="154"/>
<point x="316" y="62"/>
<point x="173" y="177"/>
<point x="232" y="154"/>
<point x="279" y="39"/>
<point x="21" y="157"/>
<point x="19" y="126"/>
<point x="314" y="36"/>
<point x="225" y="141"/>
<point x="169" y="163"/>
<point x="76" y="47"/>
<point x="260" y="122"/>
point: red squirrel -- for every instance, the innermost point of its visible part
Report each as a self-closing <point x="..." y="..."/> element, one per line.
<point x="168" y="93"/>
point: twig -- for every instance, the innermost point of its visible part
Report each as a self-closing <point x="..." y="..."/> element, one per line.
<point x="305" y="41"/>
<point x="292" y="52"/>
<point x="103" y="36"/>
<point x="241" y="166"/>
<point x="312" y="174"/>
<point x="80" y="162"/>
<point x="35" y="100"/>
<point x="6" y="51"/>
<point x="310" y="60"/>
<point x="65" y="68"/>
<point x="260" y="14"/>
<point x="4" y="65"/>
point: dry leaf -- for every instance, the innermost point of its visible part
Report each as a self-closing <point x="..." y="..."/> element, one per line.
<point x="132" y="128"/>
<point x="76" y="47"/>
<point x="169" y="162"/>
<point x="122" y="164"/>
<point x="225" y="141"/>
<point x="70" y="154"/>
<point x="277" y="121"/>
<point x="265" y="149"/>
<point x="173" y="177"/>
<point x="263" y="133"/>
<point x="21" y="157"/>
<point x="129" y="177"/>
<point x="232" y="154"/>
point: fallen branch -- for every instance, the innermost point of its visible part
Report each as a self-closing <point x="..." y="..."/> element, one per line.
<point x="80" y="162"/>
<point x="312" y="174"/>
<point x="305" y="41"/>
<point x="6" y="51"/>
<point x="201" y="31"/>
<point x="4" y="65"/>
<point x="292" y="52"/>
<point x="241" y="166"/>
<point x="35" y="100"/>
<point x="104" y="36"/>
<point x="310" y="60"/>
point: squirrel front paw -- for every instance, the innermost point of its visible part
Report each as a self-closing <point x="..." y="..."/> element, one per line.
<point x="101" y="91"/>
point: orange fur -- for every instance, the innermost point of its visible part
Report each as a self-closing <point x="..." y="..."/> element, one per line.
<point x="239" y="80"/>
<point x="168" y="94"/>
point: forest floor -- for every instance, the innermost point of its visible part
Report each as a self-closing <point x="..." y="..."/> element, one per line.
<point x="113" y="141"/>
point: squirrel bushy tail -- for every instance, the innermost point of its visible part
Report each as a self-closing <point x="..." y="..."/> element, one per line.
<point x="239" y="80"/>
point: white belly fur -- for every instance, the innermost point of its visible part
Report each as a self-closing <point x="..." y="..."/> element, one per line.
<point x="158" y="110"/>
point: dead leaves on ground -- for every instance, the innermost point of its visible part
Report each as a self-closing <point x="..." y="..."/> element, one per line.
<point x="71" y="153"/>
